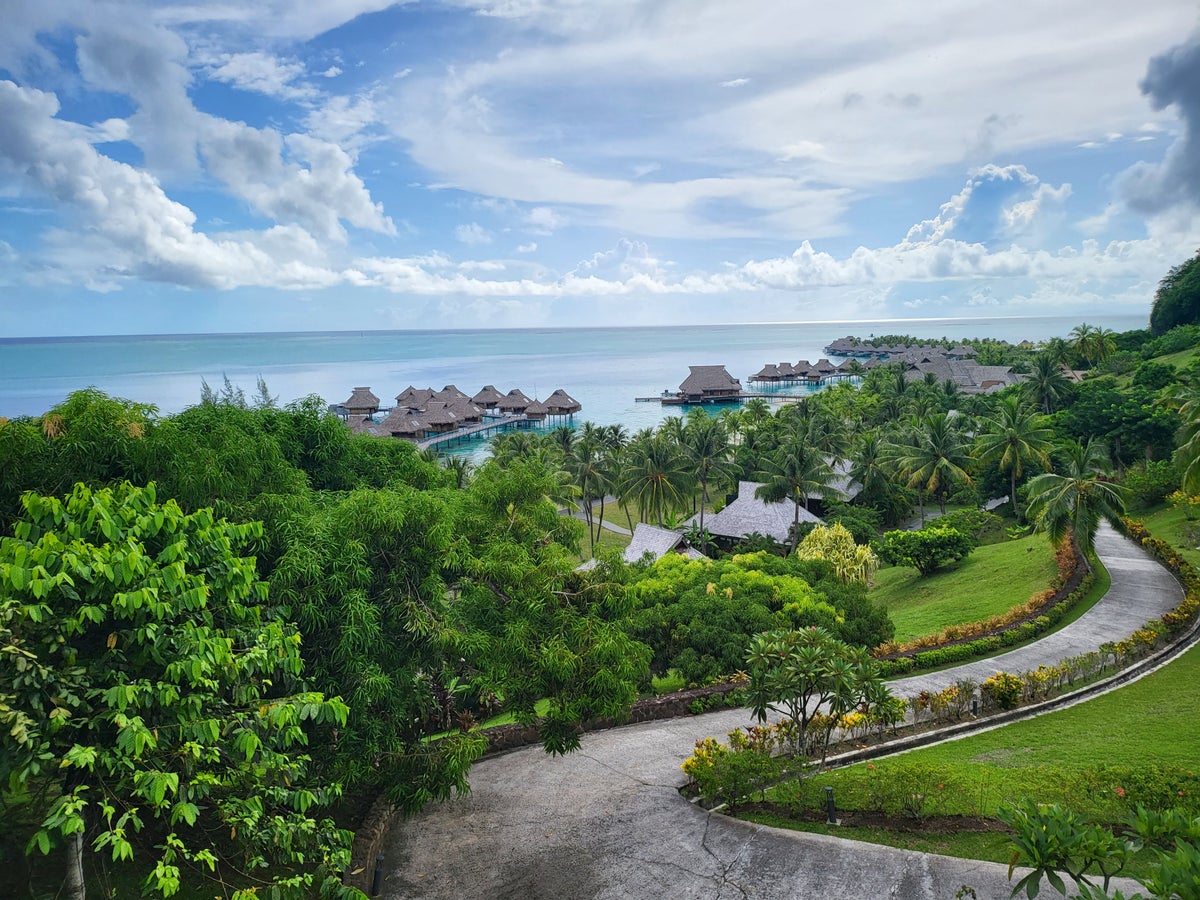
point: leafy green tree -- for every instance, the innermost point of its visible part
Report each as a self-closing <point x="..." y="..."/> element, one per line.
<point x="1177" y="300"/>
<point x="934" y="458"/>
<point x="1075" y="501"/>
<point x="1013" y="438"/>
<point x="149" y="703"/>
<point x="927" y="549"/>
<point x="796" y="471"/>
<point x="835" y="545"/>
<point x="707" y="448"/>
<point x="809" y="672"/>
<point x="1046" y="384"/>
<point x="655" y="477"/>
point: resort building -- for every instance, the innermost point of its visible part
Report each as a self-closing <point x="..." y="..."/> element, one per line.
<point x="650" y="544"/>
<point x="708" y="384"/>
<point x="488" y="397"/>
<point x="748" y="515"/>
<point x="361" y="403"/>
<point x="514" y="402"/>
<point x="560" y="403"/>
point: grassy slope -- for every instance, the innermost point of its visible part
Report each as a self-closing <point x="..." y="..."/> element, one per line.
<point x="1172" y="526"/>
<point x="991" y="580"/>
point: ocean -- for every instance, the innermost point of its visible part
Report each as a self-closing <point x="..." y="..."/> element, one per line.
<point x="605" y="369"/>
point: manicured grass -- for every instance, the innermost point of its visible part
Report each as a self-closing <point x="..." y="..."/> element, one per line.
<point x="992" y="580"/>
<point x="1152" y="722"/>
<point x="1172" y="526"/>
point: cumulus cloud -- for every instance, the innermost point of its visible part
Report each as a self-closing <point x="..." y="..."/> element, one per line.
<point x="264" y="74"/>
<point x="1172" y="79"/>
<point x="144" y="233"/>
<point x="473" y="234"/>
<point x="531" y="247"/>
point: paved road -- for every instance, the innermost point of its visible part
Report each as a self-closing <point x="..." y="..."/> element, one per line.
<point x="608" y="821"/>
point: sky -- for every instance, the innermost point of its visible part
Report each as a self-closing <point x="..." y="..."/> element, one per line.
<point x="182" y="166"/>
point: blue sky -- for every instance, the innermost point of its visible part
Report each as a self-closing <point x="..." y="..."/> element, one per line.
<point x="179" y="166"/>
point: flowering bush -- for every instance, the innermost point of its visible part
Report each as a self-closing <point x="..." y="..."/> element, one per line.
<point x="1003" y="690"/>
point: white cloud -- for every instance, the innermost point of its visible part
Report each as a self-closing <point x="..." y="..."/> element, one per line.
<point x="473" y="234"/>
<point x="331" y="72"/>
<point x="543" y="220"/>
<point x="531" y="247"/>
<point x="264" y="74"/>
<point x="734" y="82"/>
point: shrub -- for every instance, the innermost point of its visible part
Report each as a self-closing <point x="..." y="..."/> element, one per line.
<point x="926" y="550"/>
<point x="1003" y="690"/>
<point x="1149" y="483"/>
<point x="982" y="527"/>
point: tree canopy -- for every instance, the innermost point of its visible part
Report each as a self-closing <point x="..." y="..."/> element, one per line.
<point x="1177" y="300"/>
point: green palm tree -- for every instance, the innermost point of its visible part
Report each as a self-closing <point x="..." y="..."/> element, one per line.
<point x="1081" y="339"/>
<point x="1185" y="397"/>
<point x="589" y="468"/>
<point x="796" y="471"/>
<point x="934" y="458"/>
<point x="1046" y="384"/>
<point x="655" y="478"/>
<point x="1013" y="437"/>
<point x="707" y="448"/>
<point x="1075" y="501"/>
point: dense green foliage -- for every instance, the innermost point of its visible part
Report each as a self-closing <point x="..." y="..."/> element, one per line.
<point x="1177" y="301"/>
<point x="925" y="550"/>
<point x="698" y="616"/>
<point x="150" y="698"/>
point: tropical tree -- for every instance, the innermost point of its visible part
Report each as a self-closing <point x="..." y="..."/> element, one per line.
<point x="655" y="477"/>
<point x="149" y="684"/>
<point x="1177" y="300"/>
<point x="934" y="458"/>
<point x="1012" y="438"/>
<point x="872" y="470"/>
<point x="709" y="453"/>
<point x="1075" y="501"/>
<point x="1046" y="383"/>
<point x="1185" y="397"/>
<point x="796" y="471"/>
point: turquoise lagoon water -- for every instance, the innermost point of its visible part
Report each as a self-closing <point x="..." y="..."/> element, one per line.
<point x="606" y="369"/>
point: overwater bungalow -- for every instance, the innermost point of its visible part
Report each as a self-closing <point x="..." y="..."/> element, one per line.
<point x="362" y="425"/>
<point x="438" y="417"/>
<point x="537" y="410"/>
<point x="708" y="384"/>
<point x="402" y="423"/>
<point x="450" y="393"/>
<point x="414" y="398"/>
<point x="769" y="373"/>
<point x="468" y="413"/>
<point x="361" y="403"/>
<point x="514" y="403"/>
<point x="488" y="397"/>
<point x="560" y="403"/>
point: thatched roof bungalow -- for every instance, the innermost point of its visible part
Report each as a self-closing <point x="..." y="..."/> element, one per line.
<point x="748" y="515"/>
<point x="468" y="413"/>
<point x="450" y="393"/>
<point x="650" y="544"/>
<point x="514" y="403"/>
<point x="560" y="403"/>
<point x="414" y="398"/>
<point x="362" y="402"/>
<point x="438" y="417"/>
<point x="363" y="425"/>
<point x="537" y="410"/>
<point x="709" y="383"/>
<point x="402" y="423"/>
<point x="487" y="397"/>
<point x="769" y="372"/>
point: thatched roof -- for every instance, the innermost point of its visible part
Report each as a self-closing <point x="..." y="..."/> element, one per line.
<point x="401" y="422"/>
<point x="747" y="515"/>
<point x="438" y="412"/>
<point x="362" y="398"/>
<point x="487" y="396"/>
<point x="657" y="542"/>
<point x="514" y="400"/>
<point x="466" y="410"/>
<point x="706" y="379"/>
<point x="537" y="410"/>
<point x="362" y="425"/>
<point x="770" y="370"/>
<point x="450" y="393"/>
<point x="560" y="403"/>
<point x="786" y="370"/>
<point x="824" y="366"/>
<point x="414" y="398"/>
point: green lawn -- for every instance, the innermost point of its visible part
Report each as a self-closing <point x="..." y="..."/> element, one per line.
<point x="1173" y="527"/>
<point x="992" y="580"/>
<point x="1152" y="722"/>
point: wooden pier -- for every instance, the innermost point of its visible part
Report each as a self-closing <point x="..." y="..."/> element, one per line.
<point x="502" y="424"/>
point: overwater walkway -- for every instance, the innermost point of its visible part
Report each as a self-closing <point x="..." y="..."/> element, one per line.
<point x="608" y="821"/>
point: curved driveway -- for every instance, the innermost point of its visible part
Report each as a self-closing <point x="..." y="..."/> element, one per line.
<point x="608" y="821"/>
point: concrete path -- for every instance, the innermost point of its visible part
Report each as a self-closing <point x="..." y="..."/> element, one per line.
<point x="608" y="821"/>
